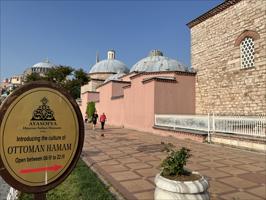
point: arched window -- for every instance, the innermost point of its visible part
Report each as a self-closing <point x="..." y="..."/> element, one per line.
<point x="246" y="42"/>
<point x="247" y="52"/>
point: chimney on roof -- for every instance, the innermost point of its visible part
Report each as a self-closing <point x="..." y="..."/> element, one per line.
<point x="155" y="52"/>
<point x="111" y="54"/>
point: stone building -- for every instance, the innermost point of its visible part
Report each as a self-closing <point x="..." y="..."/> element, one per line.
<point x="16" y="80"/>
<point x="102" y="70"/>
<point x="156" y="84"/>
<point x="99" y="73"/>
<point x="228" y="52"/>
<point x="40" y="68"/>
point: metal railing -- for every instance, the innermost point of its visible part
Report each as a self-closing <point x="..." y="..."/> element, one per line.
<point x="244" y="125"/>
<point x="193" y="122"/>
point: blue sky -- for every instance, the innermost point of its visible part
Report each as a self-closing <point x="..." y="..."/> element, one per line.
<point x="70" y="32"/>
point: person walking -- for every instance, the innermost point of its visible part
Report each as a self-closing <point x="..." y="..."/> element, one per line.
<point x="86" y="118"/>
<point x="94" y="119"/>
<point x="102" y="120"/>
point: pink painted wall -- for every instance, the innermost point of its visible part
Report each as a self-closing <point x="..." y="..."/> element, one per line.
<point x="175" y="98"/>
<point x="117" y="88"/>
<point x="113" y="109"/>
<point x="116" y="114"/>
<point x="139" y="105"/>
<point x="141" y="101"/>
<point x="105" y="93"/>
<point x="87" y="97"/>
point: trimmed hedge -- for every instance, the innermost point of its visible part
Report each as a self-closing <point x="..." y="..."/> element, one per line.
<point x="90" y="109"/>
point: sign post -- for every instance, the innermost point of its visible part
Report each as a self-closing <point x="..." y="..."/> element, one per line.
<point x="41" y="137"/>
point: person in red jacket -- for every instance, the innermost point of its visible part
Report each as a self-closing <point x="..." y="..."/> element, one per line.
<point x="102" y="120"/>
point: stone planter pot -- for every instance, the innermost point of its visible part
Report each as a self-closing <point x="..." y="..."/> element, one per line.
<point x="183" y="190"/>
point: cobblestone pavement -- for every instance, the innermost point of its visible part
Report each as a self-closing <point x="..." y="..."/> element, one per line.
<point x="129" y="161"/>
<point x="4" y="189"/>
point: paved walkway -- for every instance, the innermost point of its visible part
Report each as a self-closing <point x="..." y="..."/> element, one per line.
<point x="129" y="160"/>
<point x="4" y="189"/>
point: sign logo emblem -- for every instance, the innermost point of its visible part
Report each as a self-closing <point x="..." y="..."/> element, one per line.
<point x="43" y="112"/>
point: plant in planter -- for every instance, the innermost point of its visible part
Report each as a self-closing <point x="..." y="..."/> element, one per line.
<point x="176" y="182"/>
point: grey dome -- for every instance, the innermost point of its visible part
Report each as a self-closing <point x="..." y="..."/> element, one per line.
<point x="40" y="68"/>
<point x="109" y="65"/>
<point x="45" y="64"/>
<point x="157" y="62"/>
<point x="114" y="77"/>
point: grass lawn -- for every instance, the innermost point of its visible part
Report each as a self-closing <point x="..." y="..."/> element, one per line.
<point x="81" y="184"/>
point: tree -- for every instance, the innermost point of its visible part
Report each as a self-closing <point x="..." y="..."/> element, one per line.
<point x="59" y="74"/>
<point x="90" y="109"/>
<point x="65" y="76"/>
<point x="81" y="76"/>
<point x="73" y="87"/>
<point x="33" y="77"/>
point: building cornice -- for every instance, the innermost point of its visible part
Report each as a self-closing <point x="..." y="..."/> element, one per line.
<point x="127" y="86"/>
<point x="163" y="72"/>
<point x="119" y="81"/>
<point x="90" y="92"/>
<point x="221" y="7"/>
<point x="160" y="79"/>
<point x="93" y="92"/>
<point x="114" y="81"/>
<point x="117" y="97"/>
<point x="97" y="79"/>
<point x="101" y="73"/>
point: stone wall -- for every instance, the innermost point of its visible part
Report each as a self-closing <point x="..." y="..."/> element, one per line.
<point x="222" y="86"/>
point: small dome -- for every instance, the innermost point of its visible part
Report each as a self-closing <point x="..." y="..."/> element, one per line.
<point x="114" y="77"/>
<point x="45" y="64"/>
<point x="157" y="62"/>
<point x="110" y="65"/>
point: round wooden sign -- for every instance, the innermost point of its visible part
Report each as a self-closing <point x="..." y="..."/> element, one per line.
<point x="41" y="137"/>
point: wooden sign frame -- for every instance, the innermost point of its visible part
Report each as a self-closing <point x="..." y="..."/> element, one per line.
<point x="3" y="109"/>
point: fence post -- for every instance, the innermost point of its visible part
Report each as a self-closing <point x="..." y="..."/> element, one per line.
<point x="213" y="123"/>
<point x="209" y="139"/>
<point x="174" y="123"/>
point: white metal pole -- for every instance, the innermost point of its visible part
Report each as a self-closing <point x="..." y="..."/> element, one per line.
<point x="213" y="123"/>
<point x="209" y="128"/>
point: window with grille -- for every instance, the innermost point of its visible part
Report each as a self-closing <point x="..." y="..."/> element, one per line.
<point x="247" y="52"/>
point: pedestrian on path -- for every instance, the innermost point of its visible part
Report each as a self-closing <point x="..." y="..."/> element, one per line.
<point x="86" y="118"/>
<point x="102" y="120"/>
<point x="94" y="119"/>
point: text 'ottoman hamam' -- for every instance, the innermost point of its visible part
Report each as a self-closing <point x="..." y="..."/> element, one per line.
<point x="176" y="183"/>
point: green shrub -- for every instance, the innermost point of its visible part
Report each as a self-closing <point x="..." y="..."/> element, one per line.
<point x="173" y="164"/>
<point x="90" y="109"/>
